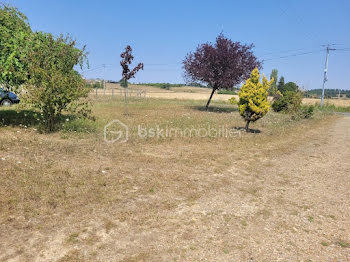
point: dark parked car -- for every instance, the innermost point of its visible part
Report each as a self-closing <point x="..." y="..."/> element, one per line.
<point x="8" y="98"/>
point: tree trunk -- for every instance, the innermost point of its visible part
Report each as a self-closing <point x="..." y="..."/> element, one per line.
<point x="126" y="97"/>
<point x="211" y="95"/>
<point x="247" y="126"/>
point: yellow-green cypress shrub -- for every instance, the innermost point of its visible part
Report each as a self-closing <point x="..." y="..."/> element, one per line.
<point x="253" y="103"/>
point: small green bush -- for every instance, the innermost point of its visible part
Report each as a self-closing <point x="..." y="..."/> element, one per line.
<point x="280" y="105"/>
<point x="289" y="102"/>
<point x="97" y="84"/>
<point x="306" y="111"/>
<point x="165" y="86"/>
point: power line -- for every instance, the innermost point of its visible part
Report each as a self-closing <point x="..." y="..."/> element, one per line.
<point x="93" y="69"/>
<point x="286" y="51"/>
<point x="160" y="64"/>
<point x="264" y="60"/>
<point x="293" y="55"/>
<point x="343" y="49"/>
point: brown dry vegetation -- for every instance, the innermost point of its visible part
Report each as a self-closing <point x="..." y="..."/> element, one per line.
<point x="278" y="195"/>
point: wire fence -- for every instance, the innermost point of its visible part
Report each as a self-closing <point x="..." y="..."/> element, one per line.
<point x="119" y="92"/>
<point x="137" y="92"/>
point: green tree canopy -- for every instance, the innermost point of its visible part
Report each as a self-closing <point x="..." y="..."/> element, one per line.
<point x="15" y="34"/>
<point x="54" y="86"/>
<point x="280" y="84"/>
<point x="273" y="91"/>
<point x="290" y="87"/>
<point x="274" y="76"/>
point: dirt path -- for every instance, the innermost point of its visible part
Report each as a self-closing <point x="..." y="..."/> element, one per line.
<point x="295" y="208"/>
<point x="292" y="205"/>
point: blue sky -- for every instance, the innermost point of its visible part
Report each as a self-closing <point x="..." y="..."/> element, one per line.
<point x="163" y="32"/>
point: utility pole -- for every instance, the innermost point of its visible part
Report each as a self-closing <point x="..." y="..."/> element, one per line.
<point x="325" y="77"/>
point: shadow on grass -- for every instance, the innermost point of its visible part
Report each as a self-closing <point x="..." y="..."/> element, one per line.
<point x="242" y="129"/>
<point x="12" y="117"/>
<point x="30" y="118"/>
<point x="216" y="109"/>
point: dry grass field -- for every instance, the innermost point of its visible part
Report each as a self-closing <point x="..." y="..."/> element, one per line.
<point x="336" y="102"/>
<point x="196" y="93"/>
<point x="279" y="194"/>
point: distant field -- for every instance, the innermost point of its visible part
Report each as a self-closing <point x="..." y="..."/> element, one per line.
<point x="336" y="102"/>
<point x="196" y="93"/>
<point x="192" y="93"/>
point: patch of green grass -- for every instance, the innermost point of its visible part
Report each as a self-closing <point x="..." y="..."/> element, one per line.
<point x="332" y="108"/>
<point x="324" y="243"/>
<point x="227" y="92"/>
<point x="79" y="125"/>
<point x="343" y="243"/>
<point x="73" y="238"/>
<point x="310" y="218"/>
<point x="244" y="223"/>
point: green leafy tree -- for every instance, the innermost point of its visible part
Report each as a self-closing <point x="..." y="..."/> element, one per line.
<point x="123" y="83"/>
<point x="15" y="35"/>
<point x="97" y="84"/>
<point x="274" y="76"/>
<point x="280" y="84"/>
<point x="253" y="103"/>
<point x="54" y="86"/>
<point x="290" y="87"/>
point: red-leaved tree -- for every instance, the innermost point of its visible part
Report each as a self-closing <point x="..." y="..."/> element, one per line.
<point x="126" y="61"/>
<point x="222" y="65"/>
<point x="127" y="58"/>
